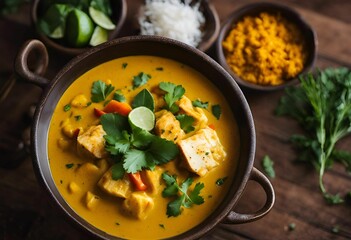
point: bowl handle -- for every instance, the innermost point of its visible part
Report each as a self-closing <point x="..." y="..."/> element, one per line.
<point x="260" y="178"/>
<point x="33" y="74"/>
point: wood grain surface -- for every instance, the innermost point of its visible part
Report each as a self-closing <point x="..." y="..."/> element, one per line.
<point x="26" y="213"/>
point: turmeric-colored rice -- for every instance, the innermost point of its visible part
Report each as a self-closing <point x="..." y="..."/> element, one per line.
<point x="266" y="49"/>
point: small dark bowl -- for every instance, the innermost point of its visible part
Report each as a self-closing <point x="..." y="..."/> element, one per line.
<point x="289" y="14"/>
<point x="119" y="8"/>
<point x="211" y="27"/>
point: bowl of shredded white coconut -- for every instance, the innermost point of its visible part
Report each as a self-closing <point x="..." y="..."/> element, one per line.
<point x="193" y="22"/>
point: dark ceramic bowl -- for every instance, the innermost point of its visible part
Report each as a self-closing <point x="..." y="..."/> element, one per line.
<point x="144" y="45"/>
<point x="119" y="13"/>
<point x="288" y="13"/>
<point x="211" y="27"/>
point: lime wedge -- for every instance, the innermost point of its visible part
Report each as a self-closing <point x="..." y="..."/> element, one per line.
<point x="57" y="33"/>
<point x="100" y="35"/>
<point x="142" y="117"/>
<point x="79" y="28"/>
<point x="101" y="19"/>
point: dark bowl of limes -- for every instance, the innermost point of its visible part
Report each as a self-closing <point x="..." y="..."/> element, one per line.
<point x="73" y="26"/>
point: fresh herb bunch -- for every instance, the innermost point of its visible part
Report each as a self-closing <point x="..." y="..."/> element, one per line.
<point x="322" y="105"/>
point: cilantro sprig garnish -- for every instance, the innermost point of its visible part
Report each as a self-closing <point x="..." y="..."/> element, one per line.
<point x="100" y="91"/>
<point x="173" y="94"/>
<point x="322" y="106"/>
<point x="140" y="79"/>
<point x="136" y="148"/>
<point x="181" y="195"/>
<point x="200" y="104"/>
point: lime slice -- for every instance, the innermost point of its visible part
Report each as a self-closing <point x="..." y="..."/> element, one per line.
<point x="142" y="117"/>
<point x="79" y="28"/>
<point x="100" y="35"/>
<point x="57" y="33"/>
<point x="101" y="19"/>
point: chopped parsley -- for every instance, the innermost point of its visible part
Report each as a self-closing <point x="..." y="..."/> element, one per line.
<point x="162" y="226"/>
<point x="216" y="111"/>
<point x="221" y="181"/>
<point x="124" y="65"/>
<point x="267" y="165"/>
<point x="100" y="91"/>
<point x="78" y="117"/>
<point x="200" y="104"/>
<point x="291" y="226"/>
<point x="67" y="107"/>
<point x="69" y="165"/>
<point x="140" y="79"/>
<point x="159" y="68"/>
<point x="180" y="194"/>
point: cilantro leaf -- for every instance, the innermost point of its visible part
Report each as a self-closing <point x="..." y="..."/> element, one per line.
<point x="267" y="164"/>
<point x="100" y="91"/>
<point x="200" y="104"/>
<point x="180" y="193"/>
<point x="141" y="138"/>
<point x="216" y="111"/>
<point x="144" y="98"/>
<point x="140" y="79"/>
<point x="186" y="122"/>
<point x="173" y="94"/>
<point x="113" y="124"/>
<point x="134" y="160"/>
<point x="118" y="96"/>
<point x="195" y="194"/>
<point x="162" y="150"/>
<point x="174" y="207"/>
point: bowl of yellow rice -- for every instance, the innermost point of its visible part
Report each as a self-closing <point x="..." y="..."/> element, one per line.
<point x="266" y="46"/>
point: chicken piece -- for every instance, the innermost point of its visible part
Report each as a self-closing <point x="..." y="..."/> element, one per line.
<point x="152" y="180"/>
<point x="87" y="169"/>
<point x="91" y="142"/>
<point x="186" y="106"/>
<point x="79" y="101"/>
<point x="91" y="200"/>
<point x="138" y="205"/>
<point x="202" y="151"/>
<point x="119" y="188"/>
<point x="216" y="147"/>
<point x="168" y="127"/>
<point x="68" y="129"/>
<point x="73" y="187"/>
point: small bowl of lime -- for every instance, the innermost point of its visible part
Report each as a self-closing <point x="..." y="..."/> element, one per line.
<point x="71" y="27"/>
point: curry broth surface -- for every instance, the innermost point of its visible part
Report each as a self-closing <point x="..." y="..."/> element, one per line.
<point x="106" y="215"/>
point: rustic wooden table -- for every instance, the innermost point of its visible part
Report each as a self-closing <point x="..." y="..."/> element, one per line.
<point x="26" y="213"/>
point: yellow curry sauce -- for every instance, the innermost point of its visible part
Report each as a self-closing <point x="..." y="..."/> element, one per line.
<point x="104" y="211"/>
